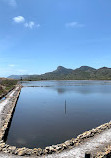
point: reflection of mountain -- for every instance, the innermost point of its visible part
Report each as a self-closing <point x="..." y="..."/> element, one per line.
<point x="62" y="73"/>
<point x="74" y="90"/>
<point x="61" y="90"/>
<point x="83" y="89"/>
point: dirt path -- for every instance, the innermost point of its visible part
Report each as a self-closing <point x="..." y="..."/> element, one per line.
<point x="5" y="105"/>
<point x="4" y="102"/>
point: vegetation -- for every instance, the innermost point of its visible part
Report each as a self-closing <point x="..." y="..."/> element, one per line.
<point x="61" y="73"/>
<point x="6" y="85"/>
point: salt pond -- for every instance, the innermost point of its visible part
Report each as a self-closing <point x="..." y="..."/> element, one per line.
<point x="56" y="111"/>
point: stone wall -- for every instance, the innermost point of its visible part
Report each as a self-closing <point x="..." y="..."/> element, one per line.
<point x="8" y="110"/>
<point x="104" y="154"/>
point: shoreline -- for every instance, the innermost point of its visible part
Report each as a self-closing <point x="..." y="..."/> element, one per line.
<point x="67" y="80"/>
<point x="7" y="110"/>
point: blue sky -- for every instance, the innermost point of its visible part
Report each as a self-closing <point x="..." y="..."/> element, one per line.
<point x="36" y="36"/>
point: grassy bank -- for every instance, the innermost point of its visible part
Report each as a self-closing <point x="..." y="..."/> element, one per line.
<point x="6" y="85"/>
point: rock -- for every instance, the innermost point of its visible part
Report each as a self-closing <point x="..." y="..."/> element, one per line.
<point x="1" y="141"/>
<point x="2" y="145"/>
<point x="67" y="142"/>
<point x="52" y="149"/>
<point x="21" y="152"/>
<point x="48" y="149"/>
<point x="64" y="146"/>
<point x="1" y="136"/>
<point x="12" y="149"/>
<point x="35" y="150"/>
<point x="45" y="151"/>
<point x="6" y="151"/>
<point x="40" y="152"/>
<point x="29" y="152"/>
<point x="16" y="151"/>
<point x="71" y="143"/>
<point x="77" y="144"/>
<point x="58" y="148"/>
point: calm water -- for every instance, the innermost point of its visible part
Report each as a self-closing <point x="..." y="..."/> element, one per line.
<point x="56" y="111"/>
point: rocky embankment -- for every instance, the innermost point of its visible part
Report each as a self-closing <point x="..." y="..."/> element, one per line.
<point x="7" y="107"/>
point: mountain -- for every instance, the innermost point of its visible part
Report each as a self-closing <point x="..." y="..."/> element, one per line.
<point x="62" y="70"/>
<point x="18" y="76"/>
<point x="58" y="74"/>
<point x="86" y="68"/>
<point x="103" y="73"/>
<point x="82" y="73"/>
<point x="62" y="73"/>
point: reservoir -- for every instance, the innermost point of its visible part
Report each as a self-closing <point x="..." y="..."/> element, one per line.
<point x="55" y="111"/>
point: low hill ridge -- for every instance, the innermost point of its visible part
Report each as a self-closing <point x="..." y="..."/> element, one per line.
<point x="62" y="73"/>
<point x="86" y="68"/>
<point x="61" y="69"/>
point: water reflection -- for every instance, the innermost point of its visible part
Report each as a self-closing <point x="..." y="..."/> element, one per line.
<point x="65" y="107"/>
<point x="56" y="111"/>
<point x="82" y="90"/>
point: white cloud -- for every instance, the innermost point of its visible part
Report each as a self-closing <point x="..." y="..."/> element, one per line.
<point x="11" y="3"/>
<point x="38" y="25"/>
<point x="19" y="19"/>
<point x="74" y="24"/>
<point x="11" y="65"/>
<point x="31" y="24"/>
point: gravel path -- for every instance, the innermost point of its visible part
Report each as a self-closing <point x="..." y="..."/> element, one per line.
<point x="4" y="102"/>
<point x="92" y="145"/>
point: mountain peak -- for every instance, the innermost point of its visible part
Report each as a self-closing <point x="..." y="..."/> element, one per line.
<point x="104" y="67"/>
<point x="60" y="67"/>
<point x="81" y="73"/>
<point x="62" y="70"/>
<point x="86" y="68"/>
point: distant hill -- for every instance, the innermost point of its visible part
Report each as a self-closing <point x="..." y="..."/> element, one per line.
<point x="18" y="76"/>
<point x="62" y="70"/>
<point x="57" y="74"/>
<point x="62" y="73"/>
<point x="103" y="73"/>
<point x="86" y="68"/>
